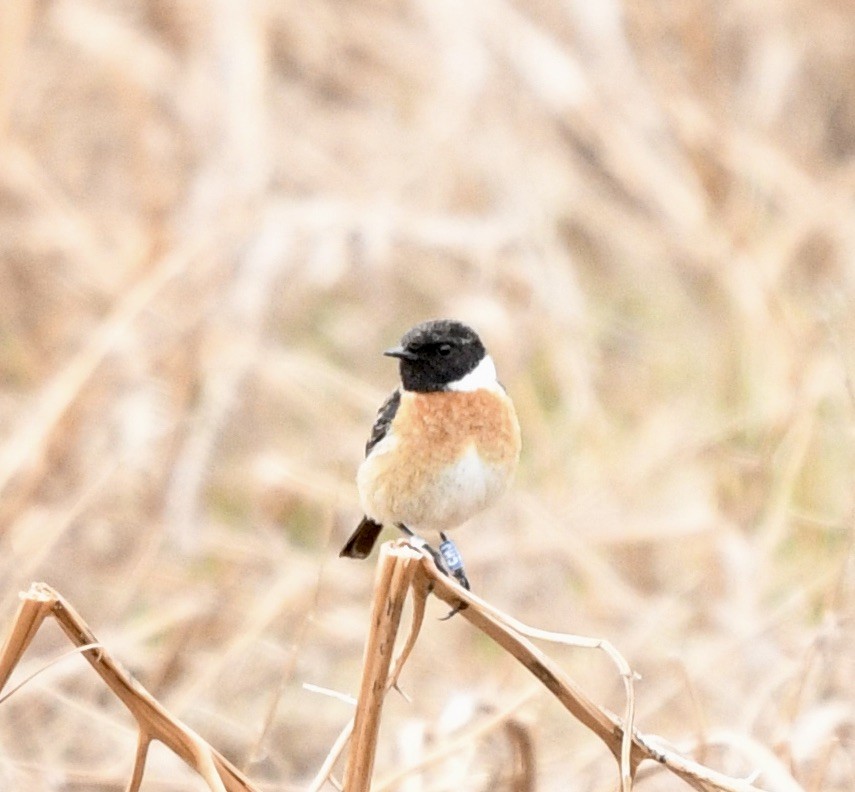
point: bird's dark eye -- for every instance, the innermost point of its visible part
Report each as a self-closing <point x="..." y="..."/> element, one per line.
<point x="444" y="350"/>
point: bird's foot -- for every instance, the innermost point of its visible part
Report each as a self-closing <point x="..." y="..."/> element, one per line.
<point x="447" y="560"/>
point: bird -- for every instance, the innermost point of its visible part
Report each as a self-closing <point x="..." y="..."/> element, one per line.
<point x="445" y="444"/>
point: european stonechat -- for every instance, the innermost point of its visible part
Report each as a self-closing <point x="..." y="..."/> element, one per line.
<point x="445" y="444"/>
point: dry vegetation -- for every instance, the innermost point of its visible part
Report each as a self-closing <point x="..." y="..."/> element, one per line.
<point x="214" y="216"/>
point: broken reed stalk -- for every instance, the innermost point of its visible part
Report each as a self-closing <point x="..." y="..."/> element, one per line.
<point x="154" y="722"/>
<point x="401" y="567"/>
<point x="394" y="576"/>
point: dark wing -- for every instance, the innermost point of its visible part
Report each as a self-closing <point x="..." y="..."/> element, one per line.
<point x="364" y="537"/>
<point x="384" y="420"/>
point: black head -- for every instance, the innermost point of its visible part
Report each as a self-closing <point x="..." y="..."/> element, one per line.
<point x="436" y="353"/>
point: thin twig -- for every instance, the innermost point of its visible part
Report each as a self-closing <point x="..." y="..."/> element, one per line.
<point x="332" y="757"/>
<point x="46" y="666"/>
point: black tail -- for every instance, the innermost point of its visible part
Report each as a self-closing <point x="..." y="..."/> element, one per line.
<point x="362" y="539"/>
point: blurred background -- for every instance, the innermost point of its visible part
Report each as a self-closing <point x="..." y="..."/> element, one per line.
<point x="214" y="216"/>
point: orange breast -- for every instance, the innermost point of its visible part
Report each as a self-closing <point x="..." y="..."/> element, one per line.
<point x="408" y="480"/>
<point x="437" y="427"/>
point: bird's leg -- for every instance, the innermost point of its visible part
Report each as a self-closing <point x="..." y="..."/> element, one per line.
<point x="447" y="560"/>
<point x="453" y="561"/>
<point x="420" y="543"/>
<point x="451" y="558"/>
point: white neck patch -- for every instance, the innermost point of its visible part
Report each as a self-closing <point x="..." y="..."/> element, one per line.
<point x="482" y="376"/>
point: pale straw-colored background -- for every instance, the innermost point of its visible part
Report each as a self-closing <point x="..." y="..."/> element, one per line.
<point x="214" y="216"/>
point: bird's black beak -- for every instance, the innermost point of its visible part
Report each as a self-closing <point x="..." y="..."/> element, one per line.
<point x="401" y="353"/>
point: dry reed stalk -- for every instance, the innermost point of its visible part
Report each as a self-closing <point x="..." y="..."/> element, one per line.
<point x="397" y="571"/>
<point x="392" y="583"/>
<point x="154" y="722"/>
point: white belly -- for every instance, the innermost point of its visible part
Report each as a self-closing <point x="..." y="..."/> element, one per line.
<point x="448" y="500"/>
<point x="465" y="489"/>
